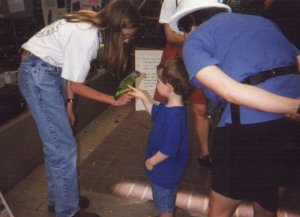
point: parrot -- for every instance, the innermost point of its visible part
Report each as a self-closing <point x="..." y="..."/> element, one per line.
<point x="129" y="79"/>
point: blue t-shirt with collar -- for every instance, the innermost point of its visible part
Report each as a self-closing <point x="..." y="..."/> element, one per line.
<point x="242" y="45"/>
<point x="169" y="135"/>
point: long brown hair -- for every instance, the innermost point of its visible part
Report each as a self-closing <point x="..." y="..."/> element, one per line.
<point x="116" y="15"/>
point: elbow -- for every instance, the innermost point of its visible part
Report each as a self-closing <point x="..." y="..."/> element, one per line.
<point x="236" y="93"/>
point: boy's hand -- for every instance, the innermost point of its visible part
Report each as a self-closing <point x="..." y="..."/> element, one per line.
<point x="136" y="92"/>
<point x="147" y="101"/>
<point x="149" y="165"/>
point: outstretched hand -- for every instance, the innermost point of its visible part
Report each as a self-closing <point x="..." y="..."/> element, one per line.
<point x="140" y="94"/>
<point x="135" y="92"/>
<point x="295" y="116"/>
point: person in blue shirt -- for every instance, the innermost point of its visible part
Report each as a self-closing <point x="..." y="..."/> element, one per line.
<point x="167" y="148"/>
<point x="245" y="62"/>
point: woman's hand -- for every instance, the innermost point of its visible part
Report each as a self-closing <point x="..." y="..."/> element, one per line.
<point x="71" y="114"/>
<point x="294" y="116"/>
<point x="124" y="99"/>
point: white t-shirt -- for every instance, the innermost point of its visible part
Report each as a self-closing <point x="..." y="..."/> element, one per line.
<point x="71" y="46"/>
<point x="168" y="9"/>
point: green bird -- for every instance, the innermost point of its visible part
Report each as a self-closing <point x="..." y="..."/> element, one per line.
<point x="123" y="86"/>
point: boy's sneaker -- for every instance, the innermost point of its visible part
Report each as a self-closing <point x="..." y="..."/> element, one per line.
<point x="82" y="213"/>
<point x="83" y="203"/>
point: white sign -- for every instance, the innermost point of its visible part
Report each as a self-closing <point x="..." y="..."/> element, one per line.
<point x="146" y="62"/>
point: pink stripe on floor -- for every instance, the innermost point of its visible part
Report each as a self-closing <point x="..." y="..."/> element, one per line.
<point x="192" y="202"/>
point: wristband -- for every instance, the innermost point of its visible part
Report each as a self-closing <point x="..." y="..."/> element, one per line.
<point x="298" y="111"/>
<point x="70" y="100"/>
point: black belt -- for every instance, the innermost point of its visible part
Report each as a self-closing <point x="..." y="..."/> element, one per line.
<point x="264" y="75"/>
<point x="258" y="78"/>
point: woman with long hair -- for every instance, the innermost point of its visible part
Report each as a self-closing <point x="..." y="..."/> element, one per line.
<point x="57" y="59"/>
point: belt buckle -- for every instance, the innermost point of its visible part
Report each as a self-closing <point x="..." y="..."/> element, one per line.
<point x="255" y="79"/>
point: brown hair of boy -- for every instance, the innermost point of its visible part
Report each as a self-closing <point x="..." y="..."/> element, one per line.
<point x="173" y="71"/>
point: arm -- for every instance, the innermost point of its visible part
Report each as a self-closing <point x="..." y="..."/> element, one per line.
<point x="141" y="95"/>
<point x="171" y="36"/>
<point x="83" y="90"/>
<point x="168" y="9"/>
<point x="246" y="95"/>
<point x="70" y="103"/>
<point x="154" y="160"/>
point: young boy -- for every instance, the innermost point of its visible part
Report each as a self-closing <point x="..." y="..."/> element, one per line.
<point x="167" y="148"/>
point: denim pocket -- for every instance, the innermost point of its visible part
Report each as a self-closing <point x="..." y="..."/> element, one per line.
<point x="49" y="69"/>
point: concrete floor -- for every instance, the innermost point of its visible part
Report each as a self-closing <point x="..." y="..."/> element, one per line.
<point x="111" y="155"/>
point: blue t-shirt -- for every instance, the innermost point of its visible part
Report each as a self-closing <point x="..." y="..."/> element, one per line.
<point x="169" y="135"/>
<point x="242" y="45"/>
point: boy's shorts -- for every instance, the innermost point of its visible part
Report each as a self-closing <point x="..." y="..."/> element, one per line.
<point x="164" y="199"/>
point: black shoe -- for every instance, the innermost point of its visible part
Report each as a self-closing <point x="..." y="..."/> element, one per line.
<point x="85" y="214"/>
<point x="205" y="161"/>
<point x="83" y="203"/>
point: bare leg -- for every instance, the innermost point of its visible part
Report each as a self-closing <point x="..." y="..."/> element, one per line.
<point x="259" y="211"/>
<point x="202" y="128"/>
<point x="221" y="206"/>
<point x="166" y="214"/>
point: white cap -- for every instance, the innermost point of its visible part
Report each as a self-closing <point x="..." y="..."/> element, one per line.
<point x="186" y="7"/>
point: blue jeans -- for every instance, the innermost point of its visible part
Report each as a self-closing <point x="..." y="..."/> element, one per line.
<point x="43" y="88"/>
<point x="164" y="199"/>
